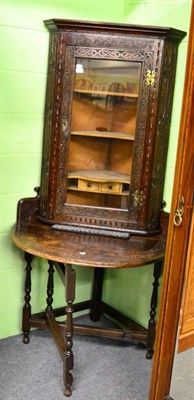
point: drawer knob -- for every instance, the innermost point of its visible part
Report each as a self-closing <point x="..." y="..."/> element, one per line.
<point x="89" y="185"/>
<point x="110" y="186"/>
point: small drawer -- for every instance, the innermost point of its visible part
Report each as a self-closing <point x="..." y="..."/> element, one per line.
<point x="109" y="187"/>
<point x="88" y="185"/>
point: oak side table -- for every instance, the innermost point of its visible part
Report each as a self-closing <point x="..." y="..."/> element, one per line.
<point x="65" y="249"/>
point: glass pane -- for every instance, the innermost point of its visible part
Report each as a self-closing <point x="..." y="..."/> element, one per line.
<point x="103" y="126"/>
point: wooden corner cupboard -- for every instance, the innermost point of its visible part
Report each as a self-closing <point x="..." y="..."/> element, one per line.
<point x="107" y="115"/>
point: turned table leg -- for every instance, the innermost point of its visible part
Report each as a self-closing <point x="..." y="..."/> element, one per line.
<point x="27" y="306"/>
<point x="50" y="286"/>
<point x="153" y="305"/>
<point x="68" y="356"/>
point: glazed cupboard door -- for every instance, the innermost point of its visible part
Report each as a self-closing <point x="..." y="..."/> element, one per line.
<point x="107" y="114"/>
<point x="103" y="126"/>
<point x="106" y="139"/>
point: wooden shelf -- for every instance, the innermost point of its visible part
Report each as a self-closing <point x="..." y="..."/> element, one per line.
<point x="106" y="93"/>
<point x="99" y="181"/>
<point x="104" y="175"/>
<point x="75" y="188"/>
<point x="105" y="134"/>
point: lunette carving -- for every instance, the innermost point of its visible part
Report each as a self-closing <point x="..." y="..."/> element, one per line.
<point x="114" y="54"/>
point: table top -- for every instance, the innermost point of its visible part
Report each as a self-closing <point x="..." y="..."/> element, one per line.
<point x="89" y="250"/>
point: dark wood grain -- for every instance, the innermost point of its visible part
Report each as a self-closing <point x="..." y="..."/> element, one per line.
<point x="98" y="217"/>
<point x="154" y="49"/>
<point x="69" y="249"/>
<point x="89" y="250"/>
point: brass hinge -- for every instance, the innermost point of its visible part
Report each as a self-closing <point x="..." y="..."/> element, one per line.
<point x="150" y="77"/>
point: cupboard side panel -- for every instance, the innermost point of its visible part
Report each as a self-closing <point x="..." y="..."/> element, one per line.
<point x="44" y="209"/>
<point x="162" y="131"/>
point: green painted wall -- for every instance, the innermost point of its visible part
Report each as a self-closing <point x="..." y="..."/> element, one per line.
<point x="23" y="66"/>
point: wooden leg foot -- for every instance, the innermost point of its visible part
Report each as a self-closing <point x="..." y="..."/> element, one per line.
<point x="68" y="392"/>
<point x="26" y="338"/>
<point x="149" y="355"/>
<point x="69" y="379"/>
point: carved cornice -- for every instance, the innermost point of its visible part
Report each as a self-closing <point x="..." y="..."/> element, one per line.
<point x="109" y="41"/>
